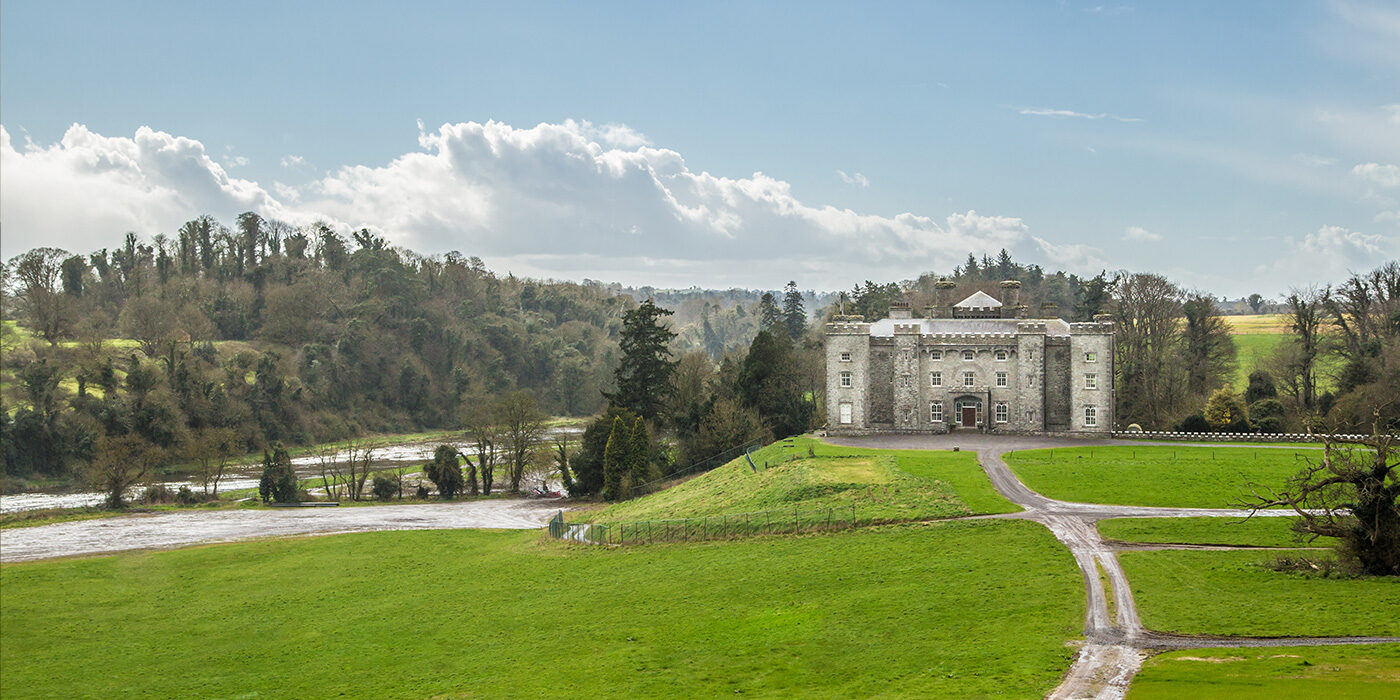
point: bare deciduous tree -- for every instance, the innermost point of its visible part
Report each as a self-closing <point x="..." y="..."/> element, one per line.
<point x="522" y="426"/>
<point x="119" y="463"/>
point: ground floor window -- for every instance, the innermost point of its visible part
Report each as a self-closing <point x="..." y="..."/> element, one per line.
<point x="1091" y="417"/>
<point x="1002" y="412"/>
<point x="845" y="412"/>
<point x="935" y="411"/>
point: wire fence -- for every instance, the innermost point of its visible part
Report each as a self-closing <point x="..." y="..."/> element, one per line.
<point x="714" y="527"/>
<point x="700" y="467"/>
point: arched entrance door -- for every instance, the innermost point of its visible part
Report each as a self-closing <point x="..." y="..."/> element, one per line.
<point x="967" y="411"/>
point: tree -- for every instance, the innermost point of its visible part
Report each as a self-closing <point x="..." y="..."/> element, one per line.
<point x="588" y="463"/>
<point x="444" y="472"/>
<point x="794" y="311"/>
<point x="121" y="462"/>
<point x="279" y="480"/>
<point x="1256" y="302"/>
<point x="617" y="462"/>
<point x="639" y="454"/>
<point x="1150" y="382"/>
<point x="1226" y="412"/>
<point x="1305" y="316"/>
<point x="212" y="448"/>
<point x="769" y="383"/>
<point x="1095" y="296"/>
<point x="522" y="427"/>
<point x="1261" y="386"/>
<point x="728" y="424"/>
<point x="47" y="309"/>
<point x="1209" y="348"/>
<point x="359" y="457"/>
<point x="149" y="320"/>
<point x="384" y="487"/>
<point x="644" y="373"/>
<point x="485" y="430"/>
<point x="769" y="315"/>
<point x="561" y="464"/>
<point x="1351" y="494"/>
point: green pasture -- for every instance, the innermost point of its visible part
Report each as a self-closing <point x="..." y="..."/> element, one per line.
<point x="803" y="474"/>
<point x="955" y="609"/>
<point x="1254" y="532"/>
<point x="1234" y="593"/>
<point x="1335" y="672"/>
<point x="1191" y="477"/>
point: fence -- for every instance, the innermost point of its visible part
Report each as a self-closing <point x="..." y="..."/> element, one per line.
<point x="700" y="467"/>
<point x="1230" y="437"/>
<point x="714" y="527"/>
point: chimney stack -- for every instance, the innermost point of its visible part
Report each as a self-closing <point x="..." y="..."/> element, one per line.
<point x="1049" y="309"/>
<point x="1011" y="299"/>
<point x="900" y="309"/>
<point x="942" y="298"/>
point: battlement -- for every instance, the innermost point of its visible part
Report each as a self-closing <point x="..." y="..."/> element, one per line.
<point x="848" y="328"/>
<point x="1037" y="327"/>
<point x="999" y="338"/>
<point x="1091" y="328"/>
<point x="908" y="328"/>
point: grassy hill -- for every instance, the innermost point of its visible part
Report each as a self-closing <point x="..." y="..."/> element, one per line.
<point x="804" y="474"/>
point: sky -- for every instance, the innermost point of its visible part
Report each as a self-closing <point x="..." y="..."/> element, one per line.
<point x="1234" y="147"/>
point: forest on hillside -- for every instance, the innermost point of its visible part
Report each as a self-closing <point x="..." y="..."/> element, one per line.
<point x="263" y="332"/>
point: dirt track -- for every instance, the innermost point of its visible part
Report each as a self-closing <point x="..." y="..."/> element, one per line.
<point x="1114" y="648"/>
<point x="178" y="529"/>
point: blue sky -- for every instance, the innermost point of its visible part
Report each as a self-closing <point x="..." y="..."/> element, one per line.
<point x="1235" y="147"/>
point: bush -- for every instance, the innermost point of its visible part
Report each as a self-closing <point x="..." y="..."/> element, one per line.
<point x="158" y="493"/>
<point x="384" y="487"/>
<point x="1269" y="425"/>
<point x="1194" y="423"/>
<point x="187" y="497"/>
<point x="1261" y="386"/>
<point x="1270" y="410"/>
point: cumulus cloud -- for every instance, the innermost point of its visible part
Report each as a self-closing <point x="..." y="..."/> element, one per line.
<point x="570" y="199"/>
<point x="1071" y="114"/>
<point x="292" y="161"/>
<point x="1377" y="174"/>
<point x="1140" y="234"/>
<point x="86" y="189"/>
<point x="856" y="179"/>
<point x="1330" y="253"/>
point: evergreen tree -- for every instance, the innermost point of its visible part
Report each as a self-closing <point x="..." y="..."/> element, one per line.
<point x="794" y="311"/>
<point x="444" y="472"/>
<point x="639" y="453"/>
<point x="644" y="374"/>
<point x="769" y="315"/>
<point x="1094" y="296"/>
<point x="769" y="383"/>
<point x="1006" y="269"/>
<point x="617" y="467"/>
<point x="279" y="480"/>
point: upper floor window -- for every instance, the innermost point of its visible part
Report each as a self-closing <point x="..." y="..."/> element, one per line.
<point x="935" y="379"/>
<point x="904" y="381"/>
<point x="1001" y="379"/>
<point x="1091" y="381"/>
<point x="1001" y="356"/>
<point x="969" y="379"/>
<point x="1091" y="357"/>
<point x="935" y="354"/>
<point x="845" y="357"/>
<point x="967" y="354"/>
<point x="845" y="379"/>
<point x="1091" y="417"/>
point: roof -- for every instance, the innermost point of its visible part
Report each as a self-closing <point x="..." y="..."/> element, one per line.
<point x="979" y="300"/>
<point x="936" y="326"/>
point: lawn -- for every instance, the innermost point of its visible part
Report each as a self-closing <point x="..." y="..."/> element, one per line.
<point x="1232" y="593"/>
<point x="1193" y="477"/>
<point x="1257" y="532"/>
<point x="957" y="609"/>
<point x="806" y="475"/>
<point x="1337" y="673"/>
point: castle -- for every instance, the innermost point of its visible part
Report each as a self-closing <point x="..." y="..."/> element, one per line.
<point x="978" y="364"/>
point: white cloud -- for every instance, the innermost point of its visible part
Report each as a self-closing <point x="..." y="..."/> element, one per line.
<point x="553" y="199"/>
<point x="293" y="161"/>
<point x="1075" y="257"/>
<point x="1327" y="255"/>
<point x="1380" y="175"/>
<point x="856" y="179"/>
<point x="87" y="189"/>
<point x="1140" y="234"/>
<point x="236" y="161"/>
<point x="1071" y="114"/>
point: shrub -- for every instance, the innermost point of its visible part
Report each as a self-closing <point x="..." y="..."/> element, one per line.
<point x="158" y="493"/>
<point x="1261" y="386"/>
<point x="1270" y="410"/>
<point x="384" y="487"/>
<point x="1226" y="412"/>
<point x="187" y="497"/>
<point x="1194" y="423"/>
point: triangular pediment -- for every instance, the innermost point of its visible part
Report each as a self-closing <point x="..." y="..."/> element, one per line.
<point x="979" y="300"/>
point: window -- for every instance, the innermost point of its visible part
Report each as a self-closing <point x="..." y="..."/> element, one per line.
<point x="1001" y="356"/>
<point x="1091" y="381"/>
<point x="846" y="412"/>
<point x="935" y="379"/>
<point x="904" y="381"/>
<point x="1030" y="415"/>
<point x="1030" y="354"/>
<point x="967" y="354"/>
<point x="969" y="379"/>
<point x="1001" y="379"/>
<point x="845" y="357"/>
<point x="1091" y="357"/>
<point x="845" y="379"/>
<point x="1002" y="412"/>
<point x="935" y="411"/>
<point x="1091" y="417"/>
<point x="935" y="354"/>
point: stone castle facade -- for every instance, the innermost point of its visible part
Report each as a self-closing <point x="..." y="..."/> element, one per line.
<point x="978" y="364"/>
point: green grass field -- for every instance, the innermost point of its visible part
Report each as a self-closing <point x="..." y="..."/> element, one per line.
<point x="1194" y="477"/>
<point x="1337" y="673"/>
<point x="958" y="609"/>
<point x="1232" y="593"/>
<point x="881" y="485"/>
<point x="1257" y="532"/>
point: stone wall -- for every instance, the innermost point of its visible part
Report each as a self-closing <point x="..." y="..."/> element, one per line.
<point x="1057" y="380"/>
<point x="853" y="338"/>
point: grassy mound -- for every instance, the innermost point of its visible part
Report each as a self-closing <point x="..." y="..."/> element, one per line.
<point x="1233" y="593"/>
<point x="1256" y="532"/>
<point x="956" y="609"/>
<point x="1337" y="673"/>
<point x="1188" y="477"/>
<point x="806" y="475"/>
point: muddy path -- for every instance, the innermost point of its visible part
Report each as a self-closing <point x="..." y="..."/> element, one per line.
<point x="1116" y="642"/>
<point x="165" y="530"/>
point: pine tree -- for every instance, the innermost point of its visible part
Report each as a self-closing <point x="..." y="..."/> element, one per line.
<point x="769" y="316"/>
<point x="644" y="373"/>
<point x="794" y="311"/>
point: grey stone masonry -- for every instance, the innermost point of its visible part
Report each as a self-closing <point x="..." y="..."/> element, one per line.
<point x="974" y="365"/>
